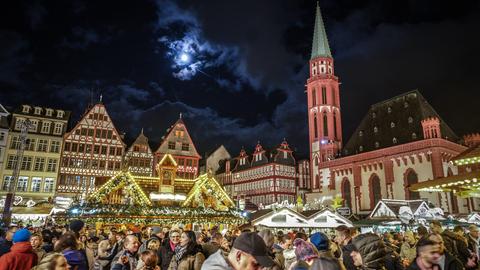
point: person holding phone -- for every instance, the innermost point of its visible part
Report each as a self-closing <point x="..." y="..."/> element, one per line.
<point x="127" y="259"/>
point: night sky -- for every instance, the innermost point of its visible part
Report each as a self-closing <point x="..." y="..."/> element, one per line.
<point x="242" y="78"/>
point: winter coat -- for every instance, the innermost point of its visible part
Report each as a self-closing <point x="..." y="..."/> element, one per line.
<point x="372" y="250"/>
<point x="188" y="262"/>
<point x="290" y="257"/>
<point x="326" y="261"/>
<point x="456" y="245"/>
<point x="346" y="257"/>
<point x="76" y="259"/>
<point x="40" y="253"/>
<point x="216" y="261"/>
<point x="392" y="259"/>
<point x="132" y="261"/>
<point x="166" y="254"/>
<point x="414" y="266"/>
<point x="20" y="257"/>
<point x="408" y="251"/>
<point x="5" y="246"/>
<point x="452" y="263"/>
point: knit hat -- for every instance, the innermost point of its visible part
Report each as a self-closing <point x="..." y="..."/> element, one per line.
<point x="156" y="230"/>
<point x="76" y="225"/>
<point x="22" y="235"/>
<point x="304" y="250"/>
<point x="320" y="241"/>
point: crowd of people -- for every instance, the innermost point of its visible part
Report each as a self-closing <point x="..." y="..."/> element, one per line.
<point x="78" y="247"/>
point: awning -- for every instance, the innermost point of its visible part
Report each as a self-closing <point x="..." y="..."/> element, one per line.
<point x="465" y="185"/>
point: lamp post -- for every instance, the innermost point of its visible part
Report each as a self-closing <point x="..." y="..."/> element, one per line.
<point x="7" y="210"/>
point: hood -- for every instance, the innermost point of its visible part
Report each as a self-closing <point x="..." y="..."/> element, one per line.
<point x="22" y="247"/>
<point x="74" y="257"/>
<point x="372" y="250"/>
<point x="217" y="260"/>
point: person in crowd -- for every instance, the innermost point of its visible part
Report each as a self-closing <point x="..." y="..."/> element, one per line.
<point x="127" y="259"/>
<point x="446" y="261"/>
<point x="168" y="249"/>
<point x="37" y="242"/>
<point x="305" y="252"/>
<point x="248" y="252"/>
<point x="286" y="243"/>
<point x="154" y="245"/>
<point x="78" y="228"/>
<point x="428" y="256"/>
<point x="47" y="241"/>
<point x="53" y="261"/>
<point x="392" y="259"/>
<point x="7" y="243"/>
<point x="454" y="243"/>
<point x="343" y="237"/>
<point x="103" y="251"/>
<point x="408" y="250"/>
<point x="276" y="253"/>
<point x="156" y="234"/>
<point x="148" y="261"/>
<point x="116" y="239"/>
<point x="68" y="246"/>
<point x="21" y="255"/>
<point x="390" y="242"/>
<point x="188" y="254"/>
<point x="422" y="232"/>
<point x="214" y="244"/>
<point x="473" y="242"/>
<point x="369" y="252"/>
<point x="326" y="260"/>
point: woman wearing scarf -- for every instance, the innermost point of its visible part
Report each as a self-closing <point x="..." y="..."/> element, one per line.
<point x="188" y="254"/>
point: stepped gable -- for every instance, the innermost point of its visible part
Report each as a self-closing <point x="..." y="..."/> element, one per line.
<point x="179" y="135"/>
<point x="395" y="121"/>
<point x="239" y="165"/>
<point x="259" y="156"/>
<point x="283" y="154"/>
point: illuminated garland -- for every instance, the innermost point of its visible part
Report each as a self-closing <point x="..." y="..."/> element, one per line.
<point x="94" y="212"/>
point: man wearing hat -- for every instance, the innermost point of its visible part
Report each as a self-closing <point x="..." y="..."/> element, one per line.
<point x="21" y="255"/>
<point x="249" y="252"/>
<point x="473" y="240"/>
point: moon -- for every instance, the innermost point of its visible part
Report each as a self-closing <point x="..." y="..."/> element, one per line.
<point x="184" y="57"/>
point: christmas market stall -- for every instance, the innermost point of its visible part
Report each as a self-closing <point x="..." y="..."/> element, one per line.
<point x="123" y="200"/>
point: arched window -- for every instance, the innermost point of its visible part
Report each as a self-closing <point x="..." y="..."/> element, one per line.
<point x="411" y="178"/>
<point x="325" y="124"/>
<point x="334" y="100"/>
<point x="453" y="197"/>
<point x="324" y="94"/>
<point x="314" y="97"/>
<point x="315" y="126"/>
<point x="346" y="193"/>
<point x="335" y="125"/>
<point x="375" y="190"/>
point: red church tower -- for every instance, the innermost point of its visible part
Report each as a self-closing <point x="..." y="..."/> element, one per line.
<point x="324" y="119"/>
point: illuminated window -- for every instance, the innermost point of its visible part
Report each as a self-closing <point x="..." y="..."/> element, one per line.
<point x="171" y="145"/>
<point x="410" y="120"/>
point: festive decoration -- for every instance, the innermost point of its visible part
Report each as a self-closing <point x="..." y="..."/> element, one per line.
<point x="337" y="202"/>
<point x="208" y="193"/>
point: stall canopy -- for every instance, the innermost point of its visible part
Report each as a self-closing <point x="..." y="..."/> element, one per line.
<point x="289" y="218"/>
<point x="404" y="210"/>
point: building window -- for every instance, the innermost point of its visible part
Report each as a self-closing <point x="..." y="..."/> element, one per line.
<point x="39" y="164"/>
<point x="411" y="178"/>
<point x="22" y="183"/>
<point x="19" y="124"/>
<point x="42" y="145"/>
<point x="392" y="124"/>
<point x="111" y="152"/>
<point x="15" y="143"/>
<point x="374" y="115"/>
<point x="377" y="144"/>
<point x="394" y="140"/>
<point x="324" y="95"/>
<point x="171" y="145"/>
<point x="11" y="162"/>
<point x="360" y="148"/>
<point x="48" y="187"/>
<point x="410" y="120"/>
<point x="335" y="125"/>
<point x="314" y="97"/>
<point x="26" y="163"/>
<point x="375" y="129"/>
<point x="414" y="135"/>
<point x="119" y="151"/>
<point x="7" y="182"/>
<point x="46" y="127"/>
<point x="26" y="109"/>
<point x="389" y="109"/>
<point x="2" y="136"/>
<point x="315" y="126"/>
<point x="30" y="145"/>
<point x="360" y="133"/>
<point x="375" y="191"/>
<point x="52" y="165"/>
<point x="179" y="133"/>
<point x="60" y="114"/>
<point x="38" y="110"/>
<point x="96" y="149"/>
<point x="325" y="124"/>
<point x="48" y="112"/>
<point x="33" y="125"/>
<point x="55" y="146"/>
<point x="104" y="150"/>
<point x="58" y="128"/>
<point x="36" y="184"/>
<point x="185" y="147"/>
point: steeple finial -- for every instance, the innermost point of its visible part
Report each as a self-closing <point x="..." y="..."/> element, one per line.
<point x="180" y="116"/>
<point x="320" y="45"/>
<point x="141" y="132"/>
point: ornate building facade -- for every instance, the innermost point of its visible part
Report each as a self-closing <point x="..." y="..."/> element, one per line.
<point x="41" y="158"/>
<point x="262" y="178"/>
<point x="3" y="133"/>
<point x="139" y="157"/>
<point x="179" y="144"/>
<point x="93" y="153"/>
<point x="401" y="141"/>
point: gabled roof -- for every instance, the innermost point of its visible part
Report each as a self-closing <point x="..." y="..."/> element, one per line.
<point x="208" y="193"/>
<point x="406" y="112"/>
<point x="121" y="180"/>
<point x="171" y="137"/>
<point x="167" y="160"/>
<point x="320" y="45"/>
<point x="279" y="156"/>
<point x="263" y="158"/>
<point x="391" y="209"/>
<point x="3" y="110"/>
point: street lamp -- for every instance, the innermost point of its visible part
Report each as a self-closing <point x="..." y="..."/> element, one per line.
<point x="7" y="209"/>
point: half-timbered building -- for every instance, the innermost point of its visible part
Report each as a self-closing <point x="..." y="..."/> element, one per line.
<point x="139" y="157"/>
<point x="92" y="153"/>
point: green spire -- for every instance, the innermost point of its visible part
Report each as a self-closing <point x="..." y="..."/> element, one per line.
<point x="320" y="42"/>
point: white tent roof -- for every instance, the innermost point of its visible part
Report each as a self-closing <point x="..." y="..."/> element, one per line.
<point x="328" y="219"/>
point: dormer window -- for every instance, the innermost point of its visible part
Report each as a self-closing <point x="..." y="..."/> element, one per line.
<point x="392" y="124"/>
<point x="410" y="119"/>
<point x="37" y="111"/>
<point x="405" y="105"/>
<point x="394" y="140"/>
<point x="360" y="148"/>
<point x="26" y="109"/>
<point x="360" y="133"/>
<point x="375" y="129"/>
<point x="374" y="115"/>
<point x="414" y="135"/>
<point x="389" y="109"/>
<point x="60" y="114"/>
<point x="377" y="144"/>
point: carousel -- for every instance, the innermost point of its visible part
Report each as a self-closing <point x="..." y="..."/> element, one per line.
<point x="166" y="199"/>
